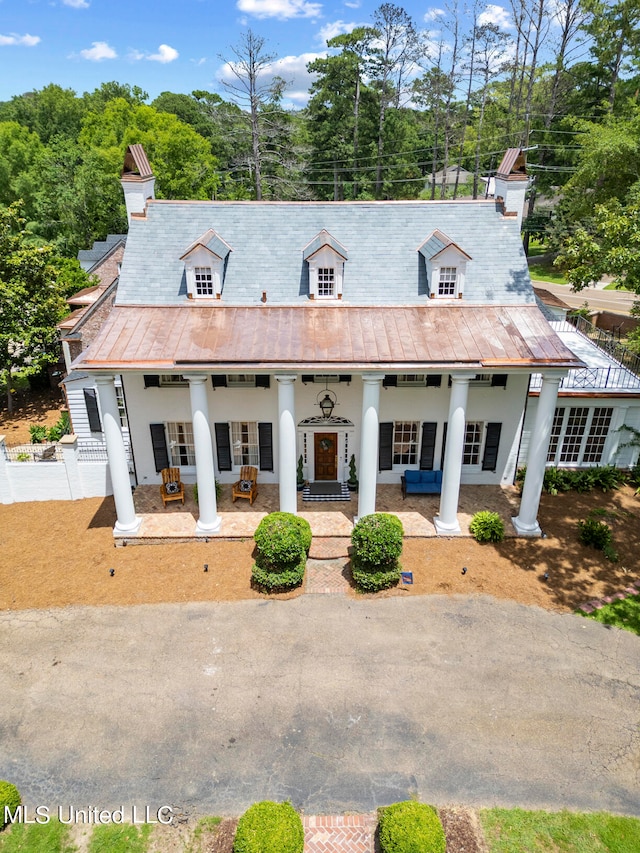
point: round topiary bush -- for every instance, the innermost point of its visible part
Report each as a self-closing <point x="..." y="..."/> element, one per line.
<point x="269" y="827"/>
<point x="411" y="827"/>
<point x="487" y="526"/>
<point x="283" y="541"/>
<point x="377" y="545"/>
<point x="9" y="799"/>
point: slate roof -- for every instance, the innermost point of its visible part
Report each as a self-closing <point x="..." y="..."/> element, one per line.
<point x="88" y="258"/>
<point x="384" y="265"/>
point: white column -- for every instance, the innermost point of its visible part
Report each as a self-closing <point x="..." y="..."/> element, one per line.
<point x="127" y="522"/>
<point x="369" y="439"/>
<point x="526" y="522"/>
<point x="446" y="523"/>
<point x="6" y="496"/>
<point x="287" y="443"/>
<point x="69" y="446"/>
<point x="208" y="519"/>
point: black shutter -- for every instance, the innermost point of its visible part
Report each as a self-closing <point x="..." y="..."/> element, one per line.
<point x="223" y="447"/>
<point x="306" y="378"/>
<point x="434" y="380"/>
<point x="490" y="458"/>
<point x="427" y="450"/>
<point x="498" y="380"/>
<point x="265" y="446"/>
<point x="345" y="378"/>
<point x="159" y="444"/>
<point x="151" y="381"/>
<point x="390" y="381"/>
<point x="444" y="444"/>
<point x="385" y="448"/>
<point x="263" y="382"/>
<point x="219" y="380"/>
<point x="91" y="402"/>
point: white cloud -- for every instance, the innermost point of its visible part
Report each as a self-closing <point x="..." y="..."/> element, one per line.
<point x="334" y="29"/>
<point x="100" y="50"/>
<point x="281" y="9"/>
<point x="76" y="4"/>
<point x="495" y="15"/>
<point x="164" y="54"/>
<point x="135" y="55"/>
<point x="352" y="4"/>
<point x="434" y="14"/>
<point x="24" y="41"/>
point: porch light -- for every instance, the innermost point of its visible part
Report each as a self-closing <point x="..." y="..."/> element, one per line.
<point x="326" y="405"/>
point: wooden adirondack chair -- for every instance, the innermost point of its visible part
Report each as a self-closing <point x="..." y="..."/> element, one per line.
<point x="171" y="489"/>
<point x="247" y="485"/>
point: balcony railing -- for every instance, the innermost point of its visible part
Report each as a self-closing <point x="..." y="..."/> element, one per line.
<point x="604" y="341"/>
<point x="594" y="378"/>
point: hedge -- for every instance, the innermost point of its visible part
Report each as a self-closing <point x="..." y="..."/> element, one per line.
<point x="9" y="798"/>
<point x="411" y="827"/>
<point x="377" y="545"/>
<point x="269" y="827"/>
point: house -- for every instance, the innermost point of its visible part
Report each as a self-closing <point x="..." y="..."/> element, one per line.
<point x="405" y="334"/>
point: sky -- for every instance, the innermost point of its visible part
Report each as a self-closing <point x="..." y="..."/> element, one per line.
<point x="174" y="45"/>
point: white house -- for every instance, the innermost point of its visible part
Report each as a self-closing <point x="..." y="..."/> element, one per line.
<point x="406" y="334"/>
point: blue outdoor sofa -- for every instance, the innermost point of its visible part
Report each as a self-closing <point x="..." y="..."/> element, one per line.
<point x="421" y="483"/>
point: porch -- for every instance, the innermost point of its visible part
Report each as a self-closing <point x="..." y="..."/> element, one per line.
<point x="329" y="519"/>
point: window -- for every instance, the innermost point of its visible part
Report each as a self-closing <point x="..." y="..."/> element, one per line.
<point x="244" y="442"/>
<point x="447" y="281"/>
<point x="204" y="281"/>
<point x="578" y="435"/>
<point x="472" y="443"/>
<point x="600" y="423"/>
<point x="574" y="432"/>
<point x="181" y="447"/>
<point x="326" y="282"/>
<point x="411" y="379"/>
<point x="122" y="411"/>
<point x="405" y="443"/>
<point x="169" y="379"/>
<point x="241" y="380"/>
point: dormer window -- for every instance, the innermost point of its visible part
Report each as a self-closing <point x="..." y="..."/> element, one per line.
<point x="326" y="258"/>
<point x="204" y="265"/>
<point x="446" y="266"/>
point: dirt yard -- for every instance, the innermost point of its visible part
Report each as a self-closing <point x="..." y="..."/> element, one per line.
<point x="60" y="553"/>
<point x="29" y="407"/>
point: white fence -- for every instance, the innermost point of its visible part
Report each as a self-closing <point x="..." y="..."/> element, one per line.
<point x="56" y="472"/>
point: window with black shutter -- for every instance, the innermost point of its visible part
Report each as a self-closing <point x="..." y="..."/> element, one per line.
<point x="263" y="382"/>
<point x="385" y="448"/>
<point x="444" y="444"/>
<point x="219" y="380"/>
<point x="428" y="446"/>
<point x="390" y="381"/>
<point x="434" y="380"/>
<point x="91" y="402"/>
<point x="151" y="380"/>
<point x="498" y="380"/>
<point x="265" y="446"/>
<point x="223" y="447"/>
<point x="159" y="444"/>
<point x="492" y="442"/>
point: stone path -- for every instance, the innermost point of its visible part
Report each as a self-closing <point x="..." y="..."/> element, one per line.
<point x="597" y="603"/>
<point x="339" y="833"/>
<point x="326" y="573"/>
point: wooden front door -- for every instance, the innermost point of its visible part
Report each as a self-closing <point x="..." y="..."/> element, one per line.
<point x="326" y="455"/>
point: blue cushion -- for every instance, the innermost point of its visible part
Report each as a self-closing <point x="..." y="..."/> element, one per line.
<point x="412" y="476"/>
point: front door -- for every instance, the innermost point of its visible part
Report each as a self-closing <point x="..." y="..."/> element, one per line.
<point x="326" y="455"/>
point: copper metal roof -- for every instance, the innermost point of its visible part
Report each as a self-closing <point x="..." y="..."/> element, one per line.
<point x="319" y="337"/>
<point x="513" y="165"/>
<point x="136" y="165"/>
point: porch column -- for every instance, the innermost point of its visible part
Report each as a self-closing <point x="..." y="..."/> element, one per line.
<point x="208" y="519"/>
<point x="446" y="523"/>
<point x="126" y="520"/>
<point x="526" y="522"/>
<point x="369" y="439"/>
<point x="287" y="443"/>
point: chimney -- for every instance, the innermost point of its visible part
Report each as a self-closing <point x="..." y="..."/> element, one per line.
<point x="137" y="180"/>
<point x="512" y="182"/>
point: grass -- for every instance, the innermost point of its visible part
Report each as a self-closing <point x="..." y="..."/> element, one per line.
<point x="620" y="287"/>
<point x="519" y="831"/>
<point x="202" y="833"/>
<point x="120" y="838"/>
<point x="544" y="272"/>
<point x="623" y="614"/>
<point x="52" y="837"/>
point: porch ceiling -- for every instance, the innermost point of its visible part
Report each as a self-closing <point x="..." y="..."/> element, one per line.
<point x="316" y="337"/>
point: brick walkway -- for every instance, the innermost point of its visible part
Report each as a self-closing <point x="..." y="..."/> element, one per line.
<point x="326" y="577"/>
<point x="597" y="603"/>
<point x="339" y="833"/>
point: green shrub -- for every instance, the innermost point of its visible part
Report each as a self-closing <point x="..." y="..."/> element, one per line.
<point x="556" y="480"/>
<point x="269" y="827"/>
<point x="377" y="545"/>
<point x="411" y="827"/>
<point x="60" y="428"/>
<point x="594" y="533"/>
<point x="487" y="526"/>
<point x="283" y="541"/>
<point x="38" y="433"/>
<point x="9" y="798"/>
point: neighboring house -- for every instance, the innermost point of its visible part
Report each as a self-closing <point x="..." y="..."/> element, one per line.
<point x="451" y="176"/>
<point x="404" y="333"/>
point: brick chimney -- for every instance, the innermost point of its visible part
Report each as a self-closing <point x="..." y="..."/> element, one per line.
<point x="512" y="182"/>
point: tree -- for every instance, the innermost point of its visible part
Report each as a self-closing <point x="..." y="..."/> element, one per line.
<point x="31" y="300"/>
<point x="49" y="112"/>
<point x="250" y="64"/>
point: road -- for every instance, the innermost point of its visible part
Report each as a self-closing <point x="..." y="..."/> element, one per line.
<point x="598" y="299"/>
<point x="336" y="704"/>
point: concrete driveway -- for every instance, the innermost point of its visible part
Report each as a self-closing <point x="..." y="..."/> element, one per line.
<point x="335" y="704"/>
